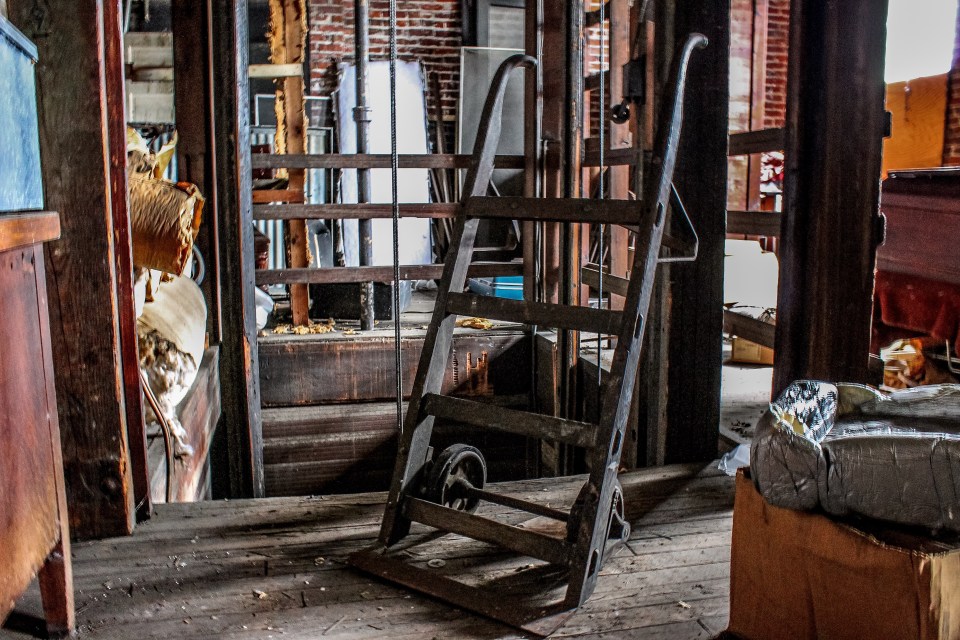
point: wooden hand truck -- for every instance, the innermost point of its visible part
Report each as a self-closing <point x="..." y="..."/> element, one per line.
<point x="443" y="493"/>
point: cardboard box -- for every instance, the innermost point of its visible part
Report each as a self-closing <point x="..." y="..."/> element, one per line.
<point x="746" y="352"/>
<point x="801" y="575"/>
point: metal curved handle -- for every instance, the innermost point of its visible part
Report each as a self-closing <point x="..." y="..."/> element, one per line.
<point x="668" y="137"/>
<point x="488" y="134"/>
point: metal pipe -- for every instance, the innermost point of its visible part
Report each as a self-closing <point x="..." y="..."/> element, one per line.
<point x="361" y="115"/>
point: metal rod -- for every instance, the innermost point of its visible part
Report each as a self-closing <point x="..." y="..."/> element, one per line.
<point x="361" y="115"/>
<point x="394" y="170"/>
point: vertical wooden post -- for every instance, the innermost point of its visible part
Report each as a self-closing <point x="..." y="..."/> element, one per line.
<point x="120" y="201"/>
<point x="241" y="425"/>
<point x="696" y="289"/>
<point x="288" y="33"/>
<point x="619" y="136"/>
<point x="835" y="128"/>
<point x="196" y="161"/>
<point x="75" y="144"/>
<point x="758" y="96"/>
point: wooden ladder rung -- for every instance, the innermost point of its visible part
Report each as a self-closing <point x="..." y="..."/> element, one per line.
<point x="541" y="314"/>
<point x="529" y="543"/>
<point x="621" y="212"/>
<point x="524" y="423"/>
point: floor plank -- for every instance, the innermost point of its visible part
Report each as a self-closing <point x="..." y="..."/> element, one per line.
<point x="276" y="568"/>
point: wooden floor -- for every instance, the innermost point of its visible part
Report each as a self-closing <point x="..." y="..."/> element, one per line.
<point x="276" y="568"/>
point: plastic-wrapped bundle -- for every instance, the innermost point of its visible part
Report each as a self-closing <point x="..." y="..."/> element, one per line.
<point x="164" y="220"/>
<point x="164" y="216"/>
<point x="849" y="449"/>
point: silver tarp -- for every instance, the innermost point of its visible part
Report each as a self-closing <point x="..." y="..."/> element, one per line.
<point x="848" y="449"/>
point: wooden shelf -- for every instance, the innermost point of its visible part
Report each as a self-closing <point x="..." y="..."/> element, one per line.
<point x="22" y="229"/>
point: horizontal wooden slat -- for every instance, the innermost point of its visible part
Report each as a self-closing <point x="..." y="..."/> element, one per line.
<point x="24" y="229"/>
<point x="527" y="542"/>
<point x="759" y="141"/>
<point x="263" y="196"/>
<point x="622" y="212"/>
<point x="612" y="157"/>
<point x="535" y="313"/>
<point x="524" y="423"/>
<point x="590" y="276"/>
<point x="374" y="161"/>
<point x="749" y="328"/>
<point x="754" y="223"/>
<point x="292" y="70"/>
<point x="380" y="274"/>
<point x="340" y="211"/>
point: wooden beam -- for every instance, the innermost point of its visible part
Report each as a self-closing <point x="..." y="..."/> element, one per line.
<point x="758" y="93"/>
<point x="385" y="274"/>
<point x="81" y="266"/>
<point x="619" y="136"/>
<point x="276" y="70"/>
<point x="750" y="142"/>
<point x="755" y="223"/>
<point x="835" y="121"/>
<point x="696" y="289"/>
<point x="196" y="160"/>
<point x="241" y="438"/>
<point x="375" y="161"/>
<point x="287" y="39"/>
<point x="120" y="201"/>
<point x="339" y="211"/>
<point x="751" y="329"/>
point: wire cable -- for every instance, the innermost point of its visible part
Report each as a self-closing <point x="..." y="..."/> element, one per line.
<point x="394" y="170"/>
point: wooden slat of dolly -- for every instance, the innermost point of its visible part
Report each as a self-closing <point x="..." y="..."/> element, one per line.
<point x="622" y="212"/>
<point x="748" y="328"/>
<point x="523" y="541"/>
<point x="761" y="141"/>
<point x="536" y="313"/>
<point x="374" y="161"/>
<point x="754" y="223"/>
<point x="340" y="211"/>
<point x="524" y="423"/>
<point x="380" y="274"/>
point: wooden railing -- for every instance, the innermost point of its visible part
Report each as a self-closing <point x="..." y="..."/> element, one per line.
<point x="286" y="205"/>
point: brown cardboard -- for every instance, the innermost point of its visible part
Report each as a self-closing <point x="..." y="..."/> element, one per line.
<point x="801" y="575"/>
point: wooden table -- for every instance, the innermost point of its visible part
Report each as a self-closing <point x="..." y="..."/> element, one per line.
<point x="34" y="534"/>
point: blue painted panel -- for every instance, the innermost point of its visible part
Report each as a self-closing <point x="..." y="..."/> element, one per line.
<point x="21" y="186"/>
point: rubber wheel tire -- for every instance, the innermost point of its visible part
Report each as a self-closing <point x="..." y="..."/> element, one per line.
<point x="457" y="466"/>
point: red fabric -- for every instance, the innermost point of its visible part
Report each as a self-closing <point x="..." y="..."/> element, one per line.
<point x="918" y="306"/>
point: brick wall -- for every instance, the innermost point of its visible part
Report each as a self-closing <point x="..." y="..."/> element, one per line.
<point x="428" y="30"/>
<point x="778" y="38"/>
<point x="951" y="133"/>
